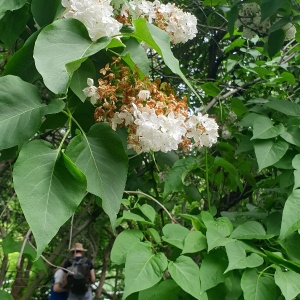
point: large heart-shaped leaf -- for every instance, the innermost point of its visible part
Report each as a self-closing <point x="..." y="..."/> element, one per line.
<point x="288" y="282"/>
<point x="250" y="230"/>
<point x="195" y="241"/>
<point x="291" y="215"/>
<point x="283" y="106"/>
<point x="21" y="111"/>
<point x="125" y="243"/>
<point x="236" y="252"/>
<point x="100" y="155"/>
<point x="257" y="287"/>
<point x="263" y="128"/>
<point x="186" y="274"/>
<point x="212" y="269"/>
<point x="143" y="269"/>
<point x="268" y="152"/>
<point x="167" y="289"/>
<point x="175" y="234"/>
<point x="60" y="43"/>
<point x="49" y="187"/>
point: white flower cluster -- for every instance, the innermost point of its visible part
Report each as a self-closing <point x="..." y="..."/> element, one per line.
<point x="99" y="19"/>
<point x="181" y="26"/>
<point x="203" y="130"/>
<point x="250" y="20"/>
<point x="96" y="15"/>
<point x="159" y="132"/>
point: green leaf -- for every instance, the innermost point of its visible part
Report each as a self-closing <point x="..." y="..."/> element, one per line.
<point x="100" y="155"/>
<point x="12" y="25"/>
<point x="55" y="106"/>
<point x="236" y="252"/>
<point x="134" y="55"/>
<point x="233" y="15"/>
<point x="44" y="11"/>
<point x="79" y="78"/>
<point x="22" y="63"/>
<point x="250" y="230"/>
<point x="167" y="290"/>
<point x="175" y="234"/>
<point x="212" y="269"/>
<point x="270" y="7"/>
<point x="124" y="243"/>
<point x="49" y="188"/>
<point x="289" y="77"/>
<point x="63" y="42"/>
<point x="257" y="287"/>
<point x="210" y="89"/>
<point x="263" y="129"/>
<point x="148" y="211"/>
<point x="282" y="262"/>
<point x="296" y="165"/>
<point x="160" y="42"/>
<point x="154" y="234"/>
<point x="215" y="239"/>
<point x="268" y="152"/>
<point x="195" y="241"/>
<point x="5" y="295"/>
<point x="288" y="282"/>
<point x="275" y="41"/>
<point x="10" y="5"/>
<point x="291" y="215"/>
<point x="292" y="135"/>
<point x="128" y="215"/>
<point x="21" y="111"/>
<point x="284" y="106"/>
<point x="175" y="178"/>
<point x="186" y="274"/>
<point x="223" y="225"/>
<point x="143" y="269"/>
<point x="290" y="245"/>
<point x="233" y="285"/>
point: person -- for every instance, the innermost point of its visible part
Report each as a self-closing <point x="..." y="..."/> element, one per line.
<point x="78" y="252"/>
<point x="58" y="292"/>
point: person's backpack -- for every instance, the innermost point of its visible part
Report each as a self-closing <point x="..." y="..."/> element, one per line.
<point x="78" y="279"/>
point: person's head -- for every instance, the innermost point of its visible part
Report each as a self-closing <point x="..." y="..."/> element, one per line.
<point x="78" y="249"/>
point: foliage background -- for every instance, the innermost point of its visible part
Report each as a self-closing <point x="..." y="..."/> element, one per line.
<point x="222" y="223"/>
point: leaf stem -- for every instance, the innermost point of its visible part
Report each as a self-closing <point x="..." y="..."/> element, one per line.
<point x="153" y="199"/>
<point x="207" y="181"/>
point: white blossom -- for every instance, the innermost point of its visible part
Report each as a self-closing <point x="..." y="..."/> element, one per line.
<point x="121" y="117"/>
<point x="181" y="26"/>
<point x="203" y="130"/>
<point x="91" y="91"/>
<point x="158" y="132"/>
<point x="144" y="94"/>
<point x="96" y="15"/>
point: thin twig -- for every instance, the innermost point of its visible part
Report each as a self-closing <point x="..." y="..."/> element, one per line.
<point x="22" y="248"/>
<point x="230" y="93"/>
<point x="153" y="199"/>
<point x="6" y="205"/>
<point x="48" y="262"/>
<point x="71" y="231"/>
